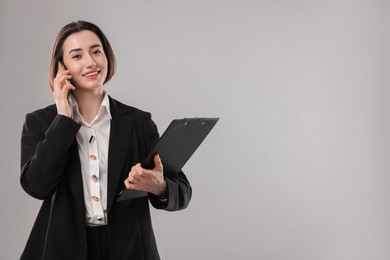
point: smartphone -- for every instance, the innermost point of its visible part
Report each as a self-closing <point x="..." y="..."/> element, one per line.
<point x="61" y="67"/>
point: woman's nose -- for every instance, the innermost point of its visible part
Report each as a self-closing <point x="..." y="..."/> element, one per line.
<point x="90" y="62"/>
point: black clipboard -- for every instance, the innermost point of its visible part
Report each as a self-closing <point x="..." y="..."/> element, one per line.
<point x="175" y="147"/>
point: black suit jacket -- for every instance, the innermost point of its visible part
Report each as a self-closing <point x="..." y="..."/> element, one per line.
<point x="51" y="172"/>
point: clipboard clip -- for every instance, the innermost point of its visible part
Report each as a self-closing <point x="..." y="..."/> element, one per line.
<point x="192" y="118"/>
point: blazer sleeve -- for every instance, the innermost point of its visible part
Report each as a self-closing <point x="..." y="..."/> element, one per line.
<point x="179" y="190"/>
<point x="44" y="152"/>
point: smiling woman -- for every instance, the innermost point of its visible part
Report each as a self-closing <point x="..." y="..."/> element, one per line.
<point x="85" y="58"/>
<point x="78" y="154"/>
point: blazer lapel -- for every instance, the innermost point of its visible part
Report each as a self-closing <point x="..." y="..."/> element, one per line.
<point x="120" y="134"/>
<point x="74" y="175"/>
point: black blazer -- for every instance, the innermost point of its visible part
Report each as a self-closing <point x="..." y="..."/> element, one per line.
<point x="51" y="172"/>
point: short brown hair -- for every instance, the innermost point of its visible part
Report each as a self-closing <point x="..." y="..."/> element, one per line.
<point x="65" y="32"/>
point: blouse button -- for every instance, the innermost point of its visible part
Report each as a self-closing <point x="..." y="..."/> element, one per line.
<point x="92" y="157"/>
<point x="94" y="178"/>
<point x="95" y="198"/>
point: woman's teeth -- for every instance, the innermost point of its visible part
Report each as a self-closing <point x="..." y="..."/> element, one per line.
<point x="92" y="74"/>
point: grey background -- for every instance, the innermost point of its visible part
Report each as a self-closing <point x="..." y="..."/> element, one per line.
<point x="297" y="167"/>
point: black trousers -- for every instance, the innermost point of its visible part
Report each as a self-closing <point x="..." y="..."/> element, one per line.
<point x="97" y="238"/>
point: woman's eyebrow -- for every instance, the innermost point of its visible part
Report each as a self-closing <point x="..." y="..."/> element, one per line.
<point x="72" y="50"/>
<point x="95" y="45"/>
<point x="79" y="49"/>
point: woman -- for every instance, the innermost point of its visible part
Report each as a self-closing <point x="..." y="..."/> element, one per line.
<point x="78" y="154"/>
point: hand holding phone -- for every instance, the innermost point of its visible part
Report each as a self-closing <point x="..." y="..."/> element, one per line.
<point x="62" y="69"/>
<point x="61" y="88"/>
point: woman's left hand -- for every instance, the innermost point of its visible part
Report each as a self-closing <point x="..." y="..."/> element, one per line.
<point x="148" y="180"/>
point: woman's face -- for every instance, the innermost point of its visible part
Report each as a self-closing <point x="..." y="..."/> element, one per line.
<point x="84" y="57"/>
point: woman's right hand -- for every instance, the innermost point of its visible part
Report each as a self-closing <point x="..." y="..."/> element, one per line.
<point x="60" y="93"/>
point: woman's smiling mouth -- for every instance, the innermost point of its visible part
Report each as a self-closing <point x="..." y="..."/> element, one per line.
<point x="91" y="74"/>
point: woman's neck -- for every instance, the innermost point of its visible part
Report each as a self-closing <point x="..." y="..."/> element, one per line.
<point x="89" y="103"/>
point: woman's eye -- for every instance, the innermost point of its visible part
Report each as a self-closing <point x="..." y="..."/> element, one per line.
<point x="97" y="52"/>
<point x="78" y="56"/>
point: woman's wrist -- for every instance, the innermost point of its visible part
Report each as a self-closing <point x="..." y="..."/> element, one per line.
<point x="161" y="191"/>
